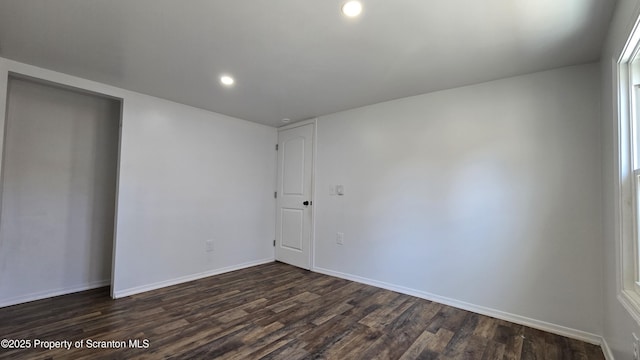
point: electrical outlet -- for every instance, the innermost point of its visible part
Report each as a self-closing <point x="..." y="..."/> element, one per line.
<point x="340" y="238"/>
<point x="209" y="245"/>
<point x="636" y="350"/>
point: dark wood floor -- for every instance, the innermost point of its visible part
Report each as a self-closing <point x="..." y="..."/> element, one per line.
<point x="274" y="311"/>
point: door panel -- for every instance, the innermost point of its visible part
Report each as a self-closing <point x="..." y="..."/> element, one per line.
<point x="293" y="227"/>
<point x="293" y="175"/>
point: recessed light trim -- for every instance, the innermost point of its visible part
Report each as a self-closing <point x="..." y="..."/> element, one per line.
<point x="227" y="80"/>
<point x="352" y="8"/>
<point x="286" y="120"/>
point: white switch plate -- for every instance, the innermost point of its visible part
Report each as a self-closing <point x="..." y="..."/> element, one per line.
<point x="340" y="238"/>
<point x="332" y="190"/>
<point x="209" y="245"/>
<point x="340" y="189"/>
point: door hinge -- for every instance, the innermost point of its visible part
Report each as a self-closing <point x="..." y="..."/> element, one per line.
<point x="276" y="147"/>
<point x="274" y="243"/>
<point x="275" y="194"/>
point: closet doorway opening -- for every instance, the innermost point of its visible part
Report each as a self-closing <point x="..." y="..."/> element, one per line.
<point x="58" y="190"/>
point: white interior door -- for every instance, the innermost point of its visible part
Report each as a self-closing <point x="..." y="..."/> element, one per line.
<point x="293" y="227"/>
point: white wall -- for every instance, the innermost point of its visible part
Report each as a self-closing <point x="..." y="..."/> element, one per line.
<point x="487" y="194"/>
<point x="58" y="191"/>
<point x="186" y="175"/>
<point x="618" y="323"/>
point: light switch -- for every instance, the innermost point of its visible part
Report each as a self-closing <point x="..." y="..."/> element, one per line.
<point x="339" y="189"/>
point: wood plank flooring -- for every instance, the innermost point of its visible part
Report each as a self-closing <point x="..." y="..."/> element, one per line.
<point x="273" y="311"/>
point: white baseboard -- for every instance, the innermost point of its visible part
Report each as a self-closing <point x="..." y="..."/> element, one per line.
<point x="537" y="324"/>
<point x="51" y="293"/>
<point x="608" y="355"/>
<point x="187" y="278"/>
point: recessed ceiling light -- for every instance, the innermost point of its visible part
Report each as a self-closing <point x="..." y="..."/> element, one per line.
<point x="352" y="8"/>
<point x="286" y="120"/>
<point x="226" y="80"/>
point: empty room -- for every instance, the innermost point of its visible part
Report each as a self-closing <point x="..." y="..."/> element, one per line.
<point x="291" y="179"/>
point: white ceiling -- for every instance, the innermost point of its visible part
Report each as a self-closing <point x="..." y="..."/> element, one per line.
<point x="299" y="58"/>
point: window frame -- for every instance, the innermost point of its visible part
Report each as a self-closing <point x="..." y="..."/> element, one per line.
<point x="627" y="74"/>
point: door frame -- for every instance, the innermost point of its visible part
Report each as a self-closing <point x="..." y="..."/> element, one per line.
<point x="8" y="72"/>
<point x="312" y="228"/>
